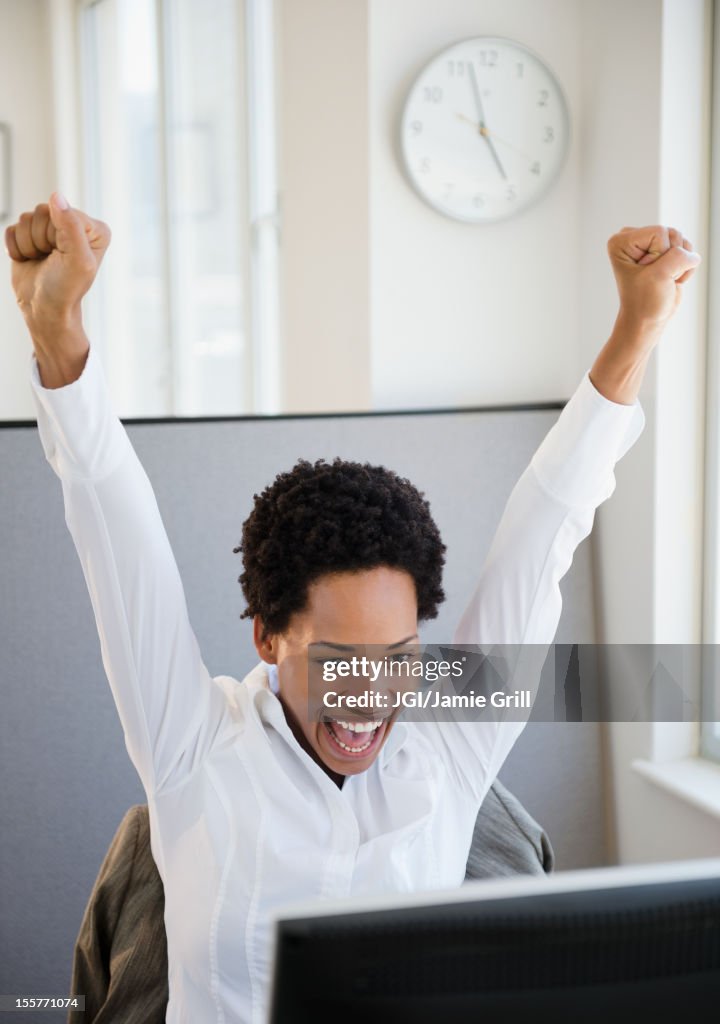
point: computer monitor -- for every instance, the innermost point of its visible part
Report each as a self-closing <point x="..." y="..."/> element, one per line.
<point x="637" y="943"/>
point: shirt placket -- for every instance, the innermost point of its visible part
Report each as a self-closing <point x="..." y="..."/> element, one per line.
<point x="340" y="865"/>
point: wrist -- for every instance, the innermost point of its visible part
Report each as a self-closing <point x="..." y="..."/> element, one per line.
<point x="619" y="368"/>
<point x="61" y="349"/>
<point x="634" y="331"/>
<point x="57" y="329"/>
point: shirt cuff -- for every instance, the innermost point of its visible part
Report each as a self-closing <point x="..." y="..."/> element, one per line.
<point x="575" y="462"/>
<point x="80" y="432"/>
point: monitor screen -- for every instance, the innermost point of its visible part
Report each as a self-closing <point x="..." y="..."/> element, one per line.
<point x="581" y="945"/>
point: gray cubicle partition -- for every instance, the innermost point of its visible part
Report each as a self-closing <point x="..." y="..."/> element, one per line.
<point x="66" y="776"/>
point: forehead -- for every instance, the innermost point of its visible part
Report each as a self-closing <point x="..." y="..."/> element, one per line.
<point x="370" y="606"/>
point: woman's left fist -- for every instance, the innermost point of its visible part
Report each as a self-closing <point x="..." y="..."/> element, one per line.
<point x="651" y="265"/>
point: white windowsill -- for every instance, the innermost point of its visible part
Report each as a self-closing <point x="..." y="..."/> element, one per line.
<point x="694" y="779"/>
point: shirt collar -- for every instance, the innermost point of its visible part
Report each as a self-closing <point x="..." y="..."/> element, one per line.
<point x="272" y="676"/>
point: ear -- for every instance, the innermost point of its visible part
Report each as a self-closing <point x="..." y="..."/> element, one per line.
<point x="264" y="642"/>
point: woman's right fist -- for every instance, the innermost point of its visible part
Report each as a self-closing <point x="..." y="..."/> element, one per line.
<point x="55" y="251"/>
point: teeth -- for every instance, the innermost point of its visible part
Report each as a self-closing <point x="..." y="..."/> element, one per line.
<point x="358" y="726"/>
<point x="365" y="727"/>
<point x="353" y="750"/>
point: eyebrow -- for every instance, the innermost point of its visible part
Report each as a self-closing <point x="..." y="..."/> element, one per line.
<point x="352" y="647"/>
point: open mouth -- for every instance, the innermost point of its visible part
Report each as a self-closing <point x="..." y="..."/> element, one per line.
<point x="355" y="739"/>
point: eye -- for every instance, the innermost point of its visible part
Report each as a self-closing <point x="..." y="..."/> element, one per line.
<point x="405" y="656"/>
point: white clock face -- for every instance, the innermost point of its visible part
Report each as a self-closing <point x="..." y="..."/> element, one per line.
<point x="485" y="130"/>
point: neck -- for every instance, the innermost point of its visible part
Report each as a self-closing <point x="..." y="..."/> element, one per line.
<point x="303" y="741"/>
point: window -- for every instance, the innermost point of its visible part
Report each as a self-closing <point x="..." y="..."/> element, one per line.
<point x="179" y="162"/>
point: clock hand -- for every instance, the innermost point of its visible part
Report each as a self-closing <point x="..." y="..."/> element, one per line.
<point x="482" y="128"/>
<point x="493" y="135"/>
<point x="476" y="91"/>
<point x="496" y="158"/>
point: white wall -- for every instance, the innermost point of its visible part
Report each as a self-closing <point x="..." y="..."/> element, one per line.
<point x="465" y="314"/>
<point x="25" y="104"/>
<point x="324" y="195"/>
<point x="621" y="55"/>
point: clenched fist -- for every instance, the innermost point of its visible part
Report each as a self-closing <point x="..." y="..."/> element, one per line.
<point x="56" y="251"/>
<point x="650" y="265"/>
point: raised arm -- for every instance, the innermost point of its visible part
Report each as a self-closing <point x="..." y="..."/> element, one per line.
<point x="552" y="507"/>
<point x="171" y="711"/>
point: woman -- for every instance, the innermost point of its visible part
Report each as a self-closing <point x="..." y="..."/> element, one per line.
<point x="252" y="803"/>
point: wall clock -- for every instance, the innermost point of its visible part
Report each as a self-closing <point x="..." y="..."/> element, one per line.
<point x="485" y="130"/>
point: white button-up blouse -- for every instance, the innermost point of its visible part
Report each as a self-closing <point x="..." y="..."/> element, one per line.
<point x="242" y="819"/>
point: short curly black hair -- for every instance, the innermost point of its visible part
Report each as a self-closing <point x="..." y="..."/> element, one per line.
<point x="322" y="518"/>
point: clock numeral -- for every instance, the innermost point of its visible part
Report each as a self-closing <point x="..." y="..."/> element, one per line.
<point x="449" y="186"/>
<point x="535" y="169"/>
<point x="520" y="70"/>
<point x="416" y="127"/>
<point x="549" y="133"/>
<point x="488" y="58"/>
<point x="479" y="200"/>
<point x="543" y="98"/>
<point x="433" y="94"/>
<point x="425" y="165"/>
<point x="510" y="194"/>
<point x="456" y="67"/>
